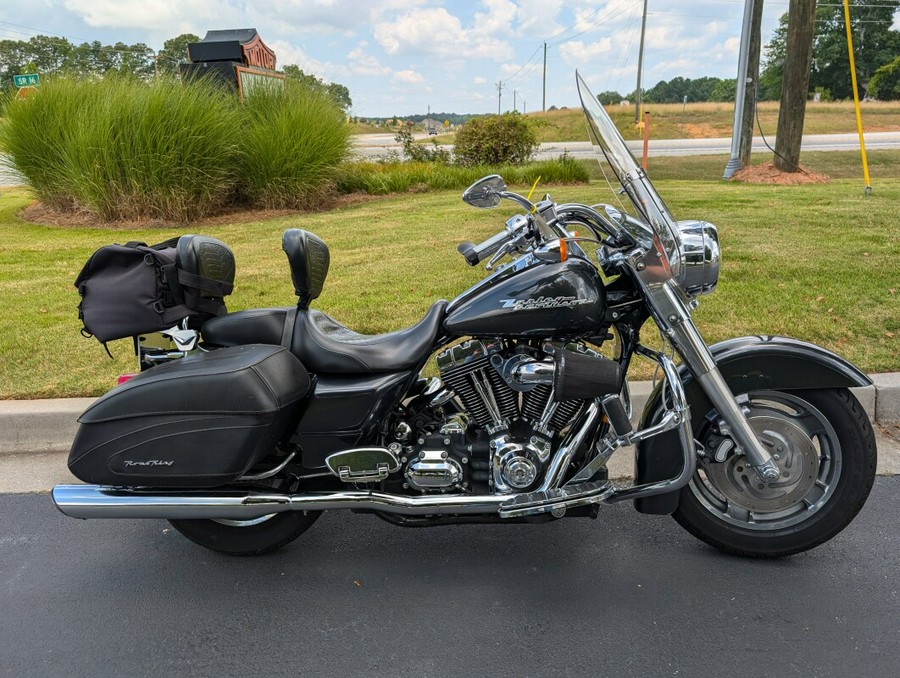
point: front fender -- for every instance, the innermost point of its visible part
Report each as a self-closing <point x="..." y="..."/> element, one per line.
<point x="747" y="364"/>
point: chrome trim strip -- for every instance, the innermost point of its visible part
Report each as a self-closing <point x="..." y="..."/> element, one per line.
<point x="272" y="472"/>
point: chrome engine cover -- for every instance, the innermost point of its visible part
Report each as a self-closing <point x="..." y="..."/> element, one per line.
<point x="434" y="470"/>
<point x="514" y="467"/>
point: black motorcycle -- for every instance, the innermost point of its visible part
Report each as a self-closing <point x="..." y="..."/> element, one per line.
<point x="755" y="444"/>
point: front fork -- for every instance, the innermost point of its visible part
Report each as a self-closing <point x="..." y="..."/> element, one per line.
<point x="674" y="318"/>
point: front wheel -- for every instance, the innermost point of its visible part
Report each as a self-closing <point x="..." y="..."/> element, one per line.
<point x="824" y="446"/>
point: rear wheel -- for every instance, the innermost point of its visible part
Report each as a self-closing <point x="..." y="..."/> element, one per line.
<point x="247" y="537"/>
<point x="824" y="446"/>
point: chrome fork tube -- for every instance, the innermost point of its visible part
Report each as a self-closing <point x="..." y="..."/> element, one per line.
<point x="674" y="318"/>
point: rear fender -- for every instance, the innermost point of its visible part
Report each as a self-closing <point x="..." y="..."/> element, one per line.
<point x="747" y="364"/>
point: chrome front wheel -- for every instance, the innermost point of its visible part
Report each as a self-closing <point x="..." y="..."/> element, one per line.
<point x="824" y="447"/>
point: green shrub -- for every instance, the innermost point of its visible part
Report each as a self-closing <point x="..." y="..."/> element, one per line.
<point x="495" y="140"/>
<point x="885" y="82"/>
<point x="125" y="149"/>
<point x="293" y="139"/>
<point x="420" y="152"/>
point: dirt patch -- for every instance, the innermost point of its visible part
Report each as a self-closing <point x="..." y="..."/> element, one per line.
<point x="39" y="213"/>
<point x="701" y="130"/>
<point x="767" y="173"/>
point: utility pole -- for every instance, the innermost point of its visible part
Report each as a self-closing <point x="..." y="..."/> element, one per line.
<point x="544" y="99"/>
<point x="515" y="91"/>
<point x="523" y="106"/>
<point x="499" y="95"/>
<point x="794" y="84"/>
<point x="637" y="96"/>
<point x="734" y="162"/>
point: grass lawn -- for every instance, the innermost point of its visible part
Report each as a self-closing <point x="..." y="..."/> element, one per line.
<point x="814" y="262"/>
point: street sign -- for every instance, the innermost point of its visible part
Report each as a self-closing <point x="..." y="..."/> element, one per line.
<point x="29" y="80"/>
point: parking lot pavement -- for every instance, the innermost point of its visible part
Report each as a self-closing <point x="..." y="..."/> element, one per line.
<point x="623" y="595"/>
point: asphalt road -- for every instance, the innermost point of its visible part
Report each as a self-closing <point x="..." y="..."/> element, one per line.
<point x="379" y="145"/>
<point x="383" y="145"/>
<point x="626" y="595"/>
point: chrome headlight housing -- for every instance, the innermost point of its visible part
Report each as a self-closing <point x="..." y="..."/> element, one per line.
<point x="698" y="272"/>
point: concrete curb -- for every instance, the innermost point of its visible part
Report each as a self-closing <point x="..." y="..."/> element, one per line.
<point x="40" y="426"/>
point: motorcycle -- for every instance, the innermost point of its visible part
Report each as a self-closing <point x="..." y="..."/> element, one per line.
<point x="755" y="445"/>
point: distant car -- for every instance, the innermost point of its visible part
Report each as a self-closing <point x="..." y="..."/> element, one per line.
<point x="432" y="131"/>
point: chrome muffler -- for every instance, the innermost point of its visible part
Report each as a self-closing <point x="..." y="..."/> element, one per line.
<point x="97" y="501"/>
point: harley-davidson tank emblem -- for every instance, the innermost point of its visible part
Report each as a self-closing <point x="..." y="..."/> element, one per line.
<point x="542" y="302"/>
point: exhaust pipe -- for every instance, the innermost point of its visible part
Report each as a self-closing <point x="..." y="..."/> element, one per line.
<point x="97" y="501"/>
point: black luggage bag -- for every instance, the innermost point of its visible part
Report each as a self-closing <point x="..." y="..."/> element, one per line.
<point x="132" y="289"/>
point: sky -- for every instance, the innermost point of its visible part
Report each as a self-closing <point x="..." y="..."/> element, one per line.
<point x="400" y="57"/>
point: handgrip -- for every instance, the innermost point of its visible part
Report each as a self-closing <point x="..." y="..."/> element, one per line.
<point x="477" y="253"/>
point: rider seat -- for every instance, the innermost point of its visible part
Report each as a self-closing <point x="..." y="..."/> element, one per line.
<point x="321" y="343"/>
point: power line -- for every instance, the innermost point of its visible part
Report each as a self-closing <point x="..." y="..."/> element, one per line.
<point x="595" y="26"/>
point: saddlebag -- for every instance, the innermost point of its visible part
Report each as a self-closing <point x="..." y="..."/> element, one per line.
<point x="133" y="289"/>
<point x="200" y="421"/>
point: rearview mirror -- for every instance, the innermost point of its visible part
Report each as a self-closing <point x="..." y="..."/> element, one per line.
<point x="485" y="192"/>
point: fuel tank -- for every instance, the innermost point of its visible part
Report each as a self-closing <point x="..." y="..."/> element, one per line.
<point x="559" y="300"/>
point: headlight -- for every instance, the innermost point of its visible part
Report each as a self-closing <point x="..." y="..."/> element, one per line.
<point x="699" y="269"/>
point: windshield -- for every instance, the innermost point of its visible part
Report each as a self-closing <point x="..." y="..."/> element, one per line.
<point x="610" y="146"/>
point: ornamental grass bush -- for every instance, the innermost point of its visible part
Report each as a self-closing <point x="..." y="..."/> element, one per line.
<point x="125" y="149"/>
<point x="292" y="142"/>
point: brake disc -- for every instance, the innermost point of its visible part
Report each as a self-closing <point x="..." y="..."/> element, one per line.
<point x="794" y="453"/>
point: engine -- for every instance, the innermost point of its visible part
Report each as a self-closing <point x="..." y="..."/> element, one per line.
<point x="496" y="417"/>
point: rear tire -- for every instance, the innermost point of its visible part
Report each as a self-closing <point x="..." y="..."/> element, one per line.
<point x="828" y="460"/>
<point x="248" y="537"/>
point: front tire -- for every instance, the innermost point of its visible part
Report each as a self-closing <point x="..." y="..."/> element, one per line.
<point x="247" y="537"/>
<point x="826" y="452"/>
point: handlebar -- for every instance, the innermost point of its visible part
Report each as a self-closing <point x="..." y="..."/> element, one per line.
<point x="474" y="254"/>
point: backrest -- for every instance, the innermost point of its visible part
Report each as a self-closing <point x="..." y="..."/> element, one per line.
<point x="309" y="259"/>
<point x="210" y="260"/>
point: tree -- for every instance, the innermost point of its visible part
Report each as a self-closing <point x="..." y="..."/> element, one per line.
<point x="874" y="43"/>
<point x="885" y="82"/>
<point x="795" y="84"/>
<point x="12" y="58"/>
<point x="339" y="93"/>
<point x="609" y="97"/>
<point x="725" y="90"/>
<point x="174" y="52"/>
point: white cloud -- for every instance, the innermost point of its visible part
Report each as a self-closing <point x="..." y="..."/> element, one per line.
<point x="538" y="17"/>
<point x="362" y="63"/>
<point x="173" y="16"/>
<point x="334" y="15"/>
<point x="409" y="76"/>
<point x="578" y="53"/>
<point x="437" y="32"/>
<point x="288" y="53"/>
<point x="478" y="80"/>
